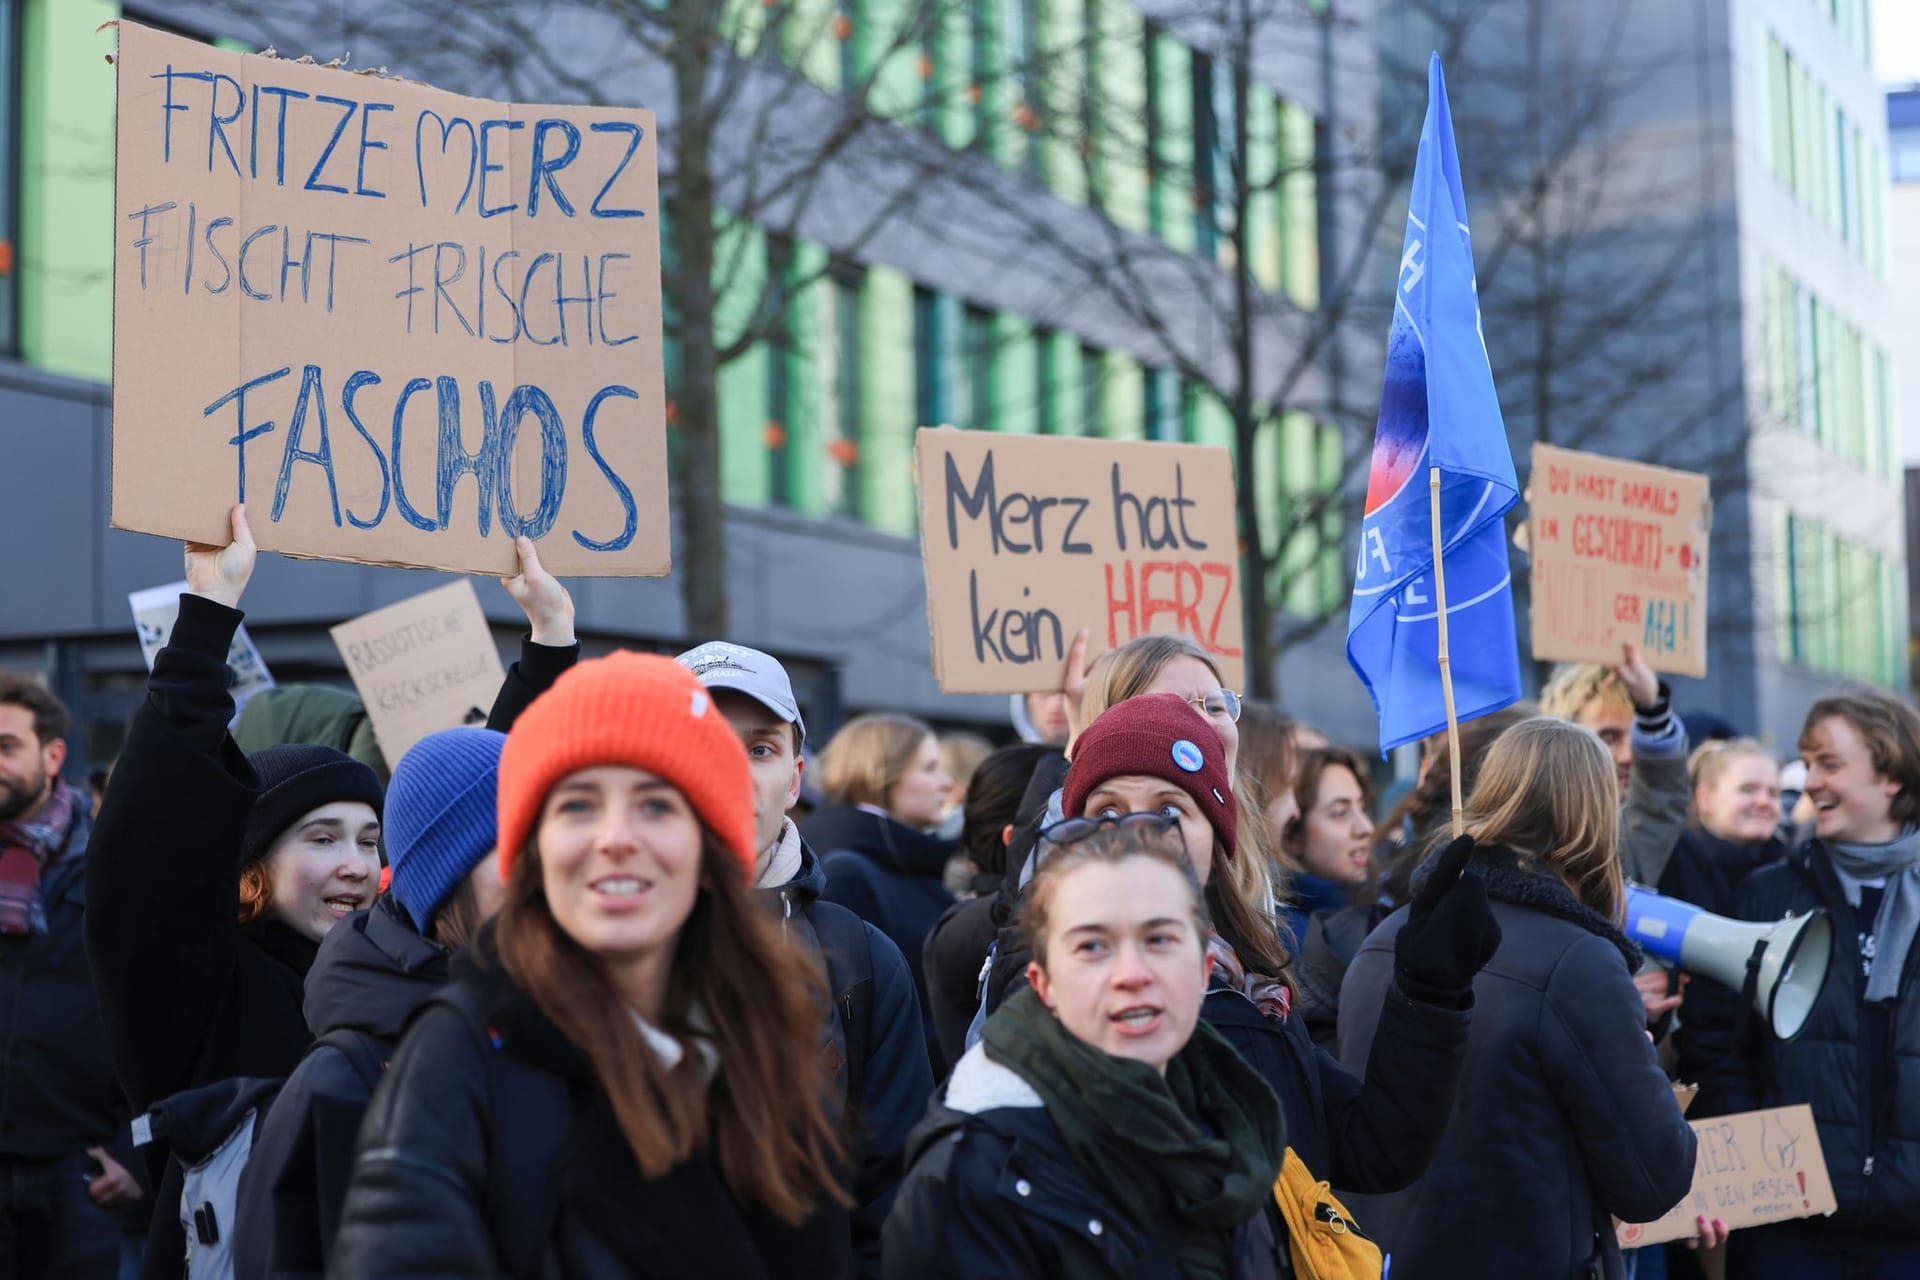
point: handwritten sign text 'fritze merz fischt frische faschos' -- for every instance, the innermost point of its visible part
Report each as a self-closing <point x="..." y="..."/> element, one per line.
<point x="403" y="325"/>
<point x="1026" y="539"/>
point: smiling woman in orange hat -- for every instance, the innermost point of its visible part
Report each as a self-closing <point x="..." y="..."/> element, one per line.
<point x="640" y="1049"/>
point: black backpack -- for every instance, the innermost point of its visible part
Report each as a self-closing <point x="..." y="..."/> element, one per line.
<point x="209" y="1133"/>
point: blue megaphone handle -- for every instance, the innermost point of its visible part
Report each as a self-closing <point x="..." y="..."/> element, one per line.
<point x="1658" y="923"/>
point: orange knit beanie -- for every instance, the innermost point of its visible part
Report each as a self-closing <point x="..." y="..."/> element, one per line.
<point x="635" y="709"/>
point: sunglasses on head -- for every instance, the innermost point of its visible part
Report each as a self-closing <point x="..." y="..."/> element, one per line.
<point x="1068" y="830"/>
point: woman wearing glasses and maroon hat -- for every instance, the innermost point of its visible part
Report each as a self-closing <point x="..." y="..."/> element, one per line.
<point x="1156" y="755"/>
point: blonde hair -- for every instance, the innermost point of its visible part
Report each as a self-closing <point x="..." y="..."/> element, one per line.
<point x="1711" y="760"/>
<point x="1126" y="672"/>
<point x="1548" y="791"/>
<point x="869" y="755"/>
<point x="1576" y="686"/>
<point x="962" y="753"/>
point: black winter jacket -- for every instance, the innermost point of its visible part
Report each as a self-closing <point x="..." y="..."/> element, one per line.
<point x="952" y="958"/>
<point x="373" y="973"/>
<point x="57" y="1092"/>
<point x="439" y="1189"/>
<point x="889" y="875"/>
<point x="895" y="1078"/>
<point x="1708" y="872"/>
<point x="1563" y="1117"/>
<point x="188" y="997"/>
<point x="1871" y="1140"/>
<point x="993" y="1191"/>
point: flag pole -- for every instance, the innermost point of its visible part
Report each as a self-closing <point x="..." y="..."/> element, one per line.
<point x="1446" y="666"/>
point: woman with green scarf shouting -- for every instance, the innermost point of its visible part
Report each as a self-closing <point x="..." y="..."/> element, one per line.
<point x="1100" y="1129"/>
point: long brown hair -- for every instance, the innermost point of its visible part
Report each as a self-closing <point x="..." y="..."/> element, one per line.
<point x="1548" y="791"/>
<point x="1126" y="672"/>
<point x="759" y="1002"/>
<point x="455" y="921"/>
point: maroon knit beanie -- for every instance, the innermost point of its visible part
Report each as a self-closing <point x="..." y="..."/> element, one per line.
<point x="1158" y="735"/>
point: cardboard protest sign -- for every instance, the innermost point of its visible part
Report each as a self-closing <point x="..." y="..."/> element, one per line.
<point x="154" y="612"/>
<point x="1619" y="553"/>
<point x="404" y="325"/>
<point x="423" y="665"/>
<point x="1026" y="539"/>
<point x="1751" y="1169"/>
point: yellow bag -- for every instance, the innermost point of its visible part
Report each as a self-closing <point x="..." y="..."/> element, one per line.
<point x="1322" y="1238"/>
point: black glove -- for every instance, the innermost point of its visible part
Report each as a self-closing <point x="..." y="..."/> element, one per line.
<point x="1450" y="933"/>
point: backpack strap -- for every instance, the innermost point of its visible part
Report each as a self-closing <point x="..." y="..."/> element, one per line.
<point x="842" y="938"/>
<point x="530" y="1116"/>
<point x="366" y="1053"/>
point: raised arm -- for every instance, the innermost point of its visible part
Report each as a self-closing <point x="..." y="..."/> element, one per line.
<point x="548" y="648"/>
<point x="162" y="874"/>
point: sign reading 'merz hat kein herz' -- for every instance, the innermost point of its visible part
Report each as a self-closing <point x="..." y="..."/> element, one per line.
<point x="1026" y="539"/>
<point x="404" y="326"/>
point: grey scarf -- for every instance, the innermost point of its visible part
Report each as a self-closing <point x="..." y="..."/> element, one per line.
<point x="1899" y="915"/>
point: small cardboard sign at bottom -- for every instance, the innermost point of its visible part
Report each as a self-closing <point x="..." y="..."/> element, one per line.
<point x="1752" y="1168"/>
<point x="423" y="665"/>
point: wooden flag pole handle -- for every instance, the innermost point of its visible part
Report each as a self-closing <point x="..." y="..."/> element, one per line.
<point x="1446" y="666"/>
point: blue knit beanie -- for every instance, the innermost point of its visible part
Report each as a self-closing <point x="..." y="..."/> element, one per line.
<point x="441" y="816"/>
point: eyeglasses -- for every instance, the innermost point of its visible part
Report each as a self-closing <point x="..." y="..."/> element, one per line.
<point x="1068" y="830"/>
<point x="1224" y="703"/>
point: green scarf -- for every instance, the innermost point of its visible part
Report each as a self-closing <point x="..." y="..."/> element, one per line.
<point x="1196" y="1150"/>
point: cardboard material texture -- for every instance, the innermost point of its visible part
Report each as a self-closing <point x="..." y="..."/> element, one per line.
<point x="423" y="665"/>
<point x="402" y="324"/>
<point x="1751" y="1169"/>
<point x="1026" y="539"/>
<point x="1619" y="553"/>
<point x="154" y="612"/>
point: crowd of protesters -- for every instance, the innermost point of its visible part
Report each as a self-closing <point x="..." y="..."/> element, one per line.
<point x="639" y="979"/>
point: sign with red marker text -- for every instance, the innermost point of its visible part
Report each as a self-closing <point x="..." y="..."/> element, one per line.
<point x="1619" y="553"/>
<point x="1026" y="539"/>
<point x="402" y="325"/>
<point x="1749" y="1170"/>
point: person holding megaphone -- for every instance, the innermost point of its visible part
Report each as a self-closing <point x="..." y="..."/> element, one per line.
<point x="1856" y="1058"/>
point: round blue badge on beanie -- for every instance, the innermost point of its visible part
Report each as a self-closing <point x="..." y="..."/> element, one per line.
<point x="1188" y="756"/>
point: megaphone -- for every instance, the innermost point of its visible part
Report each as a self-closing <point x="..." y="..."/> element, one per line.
<point x="1793" y="953"/>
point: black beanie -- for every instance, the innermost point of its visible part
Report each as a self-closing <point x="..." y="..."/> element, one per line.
<point x="295" y="779"/>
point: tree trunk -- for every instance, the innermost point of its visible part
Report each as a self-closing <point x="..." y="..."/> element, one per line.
<point x="1258" y="605"/>
<point x="703" y="544"/>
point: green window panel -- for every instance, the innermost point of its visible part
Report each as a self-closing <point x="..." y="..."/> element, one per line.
<point x="998" y="86"/>
<point x="1766" y="94"/>
<point x="1166" y="412"/>
<point x="1123" y="397"/>
<point x="1063" y="44"/>
<point x="740" y="282"/>
<point x="1265" y="219"/>
<point x="1330" y="471"/>
<point x="950" y="106"/>
<point x="64" y="255"/>
<point x="977" y="342"/>
<point x="1886" y="417"/>
<point x="1118" y="114"/>
<point x="1269" y="496"/>
<point x="810" y="364"/>
<point x="1300" y="201"/>
<point x="1785" y="585"/>
<point x="840" y="383"/>
<point x="1780" y="105"/>
<point x="812" y="41"/>
<point x="1065" y="384"/>
<point x="1016" y="357"/>
<point x="1171" y="159"/>
<point x="1211" y="422"/>
<point x="1296" y="566"/>
<point x="886" y="56"/>
<point x="886" y="398"/>
<point x="744" y="25"/>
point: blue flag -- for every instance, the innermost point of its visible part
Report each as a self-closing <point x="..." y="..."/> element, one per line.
<point x="1437" y="409"/>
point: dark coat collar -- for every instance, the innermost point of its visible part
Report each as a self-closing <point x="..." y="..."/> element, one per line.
<point x="1520" y="884"/>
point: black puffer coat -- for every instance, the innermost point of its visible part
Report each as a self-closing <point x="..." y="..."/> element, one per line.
<point x="491" y="1149"/>
<point x="1563" y="1117"/>
<point x="374" y="971"/>
<point x="1868" y="1113"/>
<point x="889" y="875"/>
